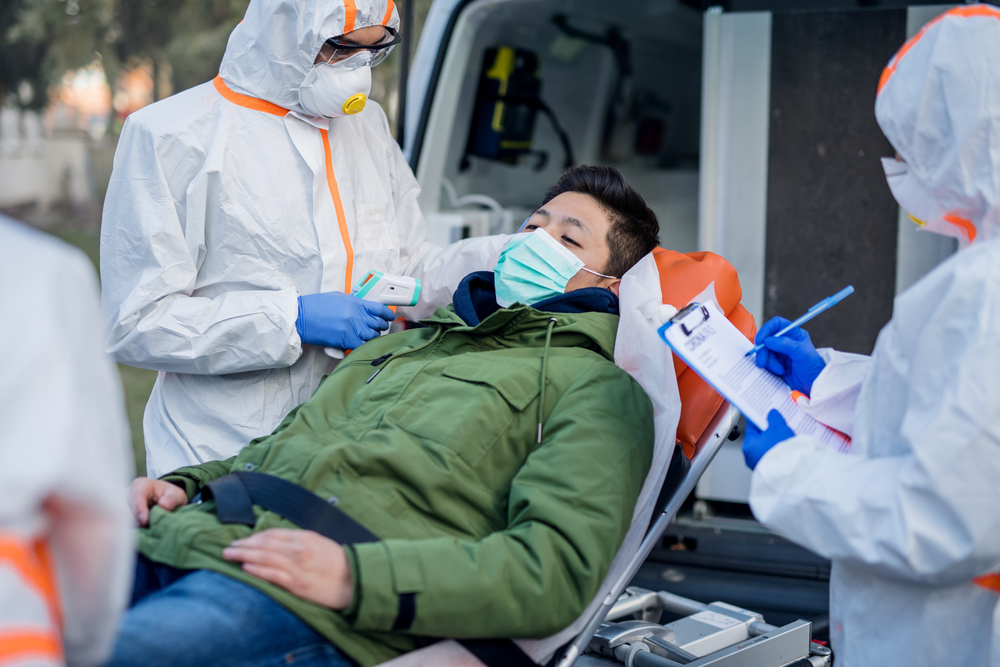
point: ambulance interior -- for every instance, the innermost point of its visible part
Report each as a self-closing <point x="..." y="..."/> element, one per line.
<point x="527" y="88"/>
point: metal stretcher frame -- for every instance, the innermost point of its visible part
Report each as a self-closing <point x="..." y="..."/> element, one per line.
<point x="707" y="447"/>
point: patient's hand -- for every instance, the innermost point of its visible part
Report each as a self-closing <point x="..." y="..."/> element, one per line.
<point x="145" y="492"/>
<point x="302" y="562"/>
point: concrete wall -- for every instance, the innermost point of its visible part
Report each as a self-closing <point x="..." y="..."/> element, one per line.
<point x="35" y="169"/>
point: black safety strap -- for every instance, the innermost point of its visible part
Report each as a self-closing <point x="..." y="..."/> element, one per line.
<point x="232" y="500"/>
<point x="236" y="493"/>
<point x="497" y="652"/>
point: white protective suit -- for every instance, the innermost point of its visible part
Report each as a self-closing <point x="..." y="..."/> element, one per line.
<point x="912" y="515"/>
<point x="65" y="459"/>
<point x="227" y="202"/>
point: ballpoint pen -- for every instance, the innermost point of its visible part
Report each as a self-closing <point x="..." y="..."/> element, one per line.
<point x="826" y="303"/>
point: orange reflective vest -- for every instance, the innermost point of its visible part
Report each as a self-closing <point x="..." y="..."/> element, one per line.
<point x="989" y="581"/>
<point x="28" y="589"/>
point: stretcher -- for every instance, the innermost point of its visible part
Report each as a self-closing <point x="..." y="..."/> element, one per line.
<point x="626" y="627"/>
<point x="623" y="627"/>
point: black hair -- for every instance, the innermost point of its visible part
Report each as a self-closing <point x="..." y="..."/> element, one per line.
<point x="634" y="228"/>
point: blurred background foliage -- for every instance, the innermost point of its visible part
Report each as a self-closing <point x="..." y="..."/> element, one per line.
<point x="81" y="67"/>
<point x="42" y="39"/>
<point x="181" y="42"/>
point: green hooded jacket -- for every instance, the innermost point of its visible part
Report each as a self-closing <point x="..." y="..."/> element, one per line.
<point x="435" y="450"/>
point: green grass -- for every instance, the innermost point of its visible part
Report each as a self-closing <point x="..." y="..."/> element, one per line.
<point x="87" y="241"/>
<point x="137" y="382"/>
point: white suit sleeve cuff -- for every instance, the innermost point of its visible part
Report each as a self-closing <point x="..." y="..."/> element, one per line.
<point x="836" y="389"/>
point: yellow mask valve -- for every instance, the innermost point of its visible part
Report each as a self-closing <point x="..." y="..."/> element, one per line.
<point x="355" y="103"/>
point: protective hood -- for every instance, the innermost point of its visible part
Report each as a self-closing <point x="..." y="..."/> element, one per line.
<point x="939" y="105"/>
<point x="272" y="51"/>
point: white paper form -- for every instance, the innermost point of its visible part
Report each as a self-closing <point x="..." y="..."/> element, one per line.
<point x="710" y="344"/>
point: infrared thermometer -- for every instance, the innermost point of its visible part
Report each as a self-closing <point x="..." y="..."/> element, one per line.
<point x="388" y="290"/>
<point x="385" y="289"/>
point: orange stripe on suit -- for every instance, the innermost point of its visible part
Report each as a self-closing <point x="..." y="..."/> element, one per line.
<point x="964" y="12"/>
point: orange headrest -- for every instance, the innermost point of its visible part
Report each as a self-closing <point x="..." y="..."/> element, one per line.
<point x="682" y="278"/>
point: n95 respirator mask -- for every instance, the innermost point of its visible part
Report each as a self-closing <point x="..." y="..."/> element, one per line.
<point x="921" y="206"/>
<point x="534" y="267"/>
<point x="338" y="90"/>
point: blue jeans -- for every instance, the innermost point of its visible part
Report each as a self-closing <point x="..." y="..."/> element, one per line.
<point x="198" y="617"/>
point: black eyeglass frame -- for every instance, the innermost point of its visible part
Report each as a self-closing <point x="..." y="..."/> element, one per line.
<point x="395" y="39"/>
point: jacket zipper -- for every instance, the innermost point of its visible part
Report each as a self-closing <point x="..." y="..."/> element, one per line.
<point x="358" y="362"/>
<point x="378" y="362"/>
<point x="385" y="357"/>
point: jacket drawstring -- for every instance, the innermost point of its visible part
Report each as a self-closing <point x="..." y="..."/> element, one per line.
<point x="541" y="376"/>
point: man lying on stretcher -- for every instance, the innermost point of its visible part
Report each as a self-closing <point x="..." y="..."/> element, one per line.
<point x="496" y="454"/>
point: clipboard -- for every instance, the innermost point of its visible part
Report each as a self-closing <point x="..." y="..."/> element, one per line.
<point x="705" y="340"/>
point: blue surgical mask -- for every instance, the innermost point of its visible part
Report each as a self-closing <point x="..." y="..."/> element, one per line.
<point x="534" y="267"/>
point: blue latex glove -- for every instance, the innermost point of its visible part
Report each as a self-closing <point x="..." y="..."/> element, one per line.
<point x="343" y="321"/>
<point x="791" y="356"/>
<point x="756" y="443"/>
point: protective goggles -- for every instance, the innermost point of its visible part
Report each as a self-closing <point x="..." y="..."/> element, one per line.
<point x="347" y="55"/>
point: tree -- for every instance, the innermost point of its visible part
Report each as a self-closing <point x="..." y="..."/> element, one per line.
<point x="43" y="39"/>
<point x="184" y="39"/>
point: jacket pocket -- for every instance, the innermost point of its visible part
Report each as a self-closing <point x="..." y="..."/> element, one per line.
<point x="470" y="404"/>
